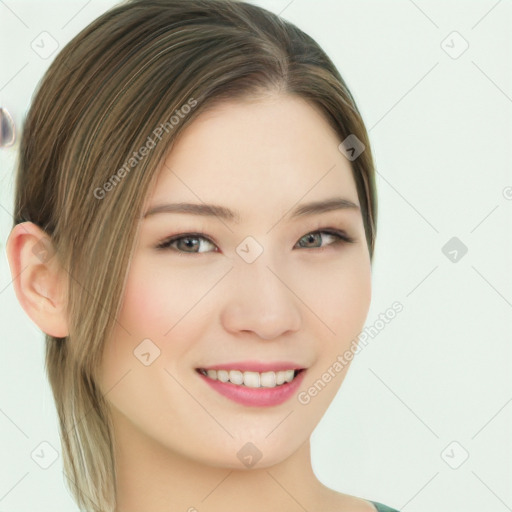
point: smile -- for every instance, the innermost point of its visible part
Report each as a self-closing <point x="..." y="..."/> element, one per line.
<point x="251" y="388"/>
<point x="268" y="379"/>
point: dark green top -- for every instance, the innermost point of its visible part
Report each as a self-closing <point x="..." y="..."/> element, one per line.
<point x="383" y="508"/>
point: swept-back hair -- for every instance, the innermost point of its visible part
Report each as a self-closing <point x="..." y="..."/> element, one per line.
<point x="102" y="120"/>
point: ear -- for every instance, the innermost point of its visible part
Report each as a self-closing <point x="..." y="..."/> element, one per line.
<point x="40" y="283"/>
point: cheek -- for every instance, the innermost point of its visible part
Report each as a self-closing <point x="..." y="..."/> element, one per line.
<point x="157" y="297"/>
<point x="341" y="300"/>
<point x="351" y="300"/>
<point x="340" y="295"/>
<point x="149" y="310"/>
<point x="162" y="301"/>
<point x="158" y="305"/>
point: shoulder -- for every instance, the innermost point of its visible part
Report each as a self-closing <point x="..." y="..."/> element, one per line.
<point x="383" y="508"/>
<point x="337" y="501"/>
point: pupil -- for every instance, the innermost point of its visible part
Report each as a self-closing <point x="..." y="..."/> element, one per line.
<point x="311" y="237"/>
<point x="189" y="242"/>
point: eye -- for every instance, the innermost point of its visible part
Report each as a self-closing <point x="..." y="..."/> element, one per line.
<point x="191" y="243"/>
<point x="317" y="237"/>
<point x="185" y="243"/>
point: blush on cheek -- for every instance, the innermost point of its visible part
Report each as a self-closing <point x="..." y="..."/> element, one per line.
<point x="160" y="305"/>
<point x="148" y="300"/>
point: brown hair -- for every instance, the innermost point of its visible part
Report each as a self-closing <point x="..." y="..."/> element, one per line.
<point x="143" y="66"/>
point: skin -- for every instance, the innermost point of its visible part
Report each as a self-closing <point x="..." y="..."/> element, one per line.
<point x="176" y="438"/>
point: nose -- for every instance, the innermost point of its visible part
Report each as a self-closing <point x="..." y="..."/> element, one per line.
<point x="261" y="300"/>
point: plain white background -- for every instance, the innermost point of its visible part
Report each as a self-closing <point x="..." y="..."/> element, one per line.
<point x="423" y="419"/>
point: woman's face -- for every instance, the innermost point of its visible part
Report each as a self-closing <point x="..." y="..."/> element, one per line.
<point x="263" y="289"/>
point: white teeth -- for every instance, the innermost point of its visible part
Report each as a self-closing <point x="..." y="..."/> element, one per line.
<point x="236" y="377"/>
<point x="268" y="380"/>
<point x="222" y="375"/>
<point x="288" y="375"/>
<point x="251" y="379"/>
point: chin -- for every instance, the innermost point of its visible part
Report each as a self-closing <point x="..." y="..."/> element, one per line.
<point x="249" y="453"/>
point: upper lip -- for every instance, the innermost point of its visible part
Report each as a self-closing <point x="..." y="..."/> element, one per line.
<point x="255" y="366"/>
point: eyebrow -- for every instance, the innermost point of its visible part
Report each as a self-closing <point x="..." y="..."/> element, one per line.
<point x="312" y="208"/>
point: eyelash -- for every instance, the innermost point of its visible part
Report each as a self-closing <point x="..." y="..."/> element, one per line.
<point x="342" y="238"/>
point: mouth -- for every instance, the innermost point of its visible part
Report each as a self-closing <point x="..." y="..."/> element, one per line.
<point x="240" y="383"/>
<point x="251" y="379"/>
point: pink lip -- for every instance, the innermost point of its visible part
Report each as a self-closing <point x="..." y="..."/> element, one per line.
<point x="256" y="397"/>
<point x="256" y="366"/>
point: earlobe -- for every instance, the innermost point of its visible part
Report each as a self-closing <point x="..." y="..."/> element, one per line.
<point x="40" y="283"/>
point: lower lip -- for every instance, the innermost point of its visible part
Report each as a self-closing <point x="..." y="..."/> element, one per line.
<point x="256" y="397"/>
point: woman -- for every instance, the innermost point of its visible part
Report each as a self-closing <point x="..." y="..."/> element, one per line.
<point x="195" y="217"/>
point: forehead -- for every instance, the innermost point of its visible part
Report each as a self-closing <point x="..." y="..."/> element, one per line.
<point x="256" y="156"/>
